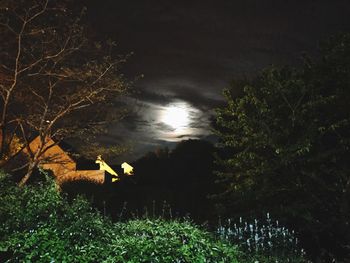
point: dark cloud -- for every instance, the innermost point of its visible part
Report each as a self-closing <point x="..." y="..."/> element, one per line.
<point x="163" y="127"/>
<point x="190" y="50"/>
<point x="189" y="94"/>
<point x="197" y="99"/>
<point x="190" y="136"/>
<point x="152" y="97"/>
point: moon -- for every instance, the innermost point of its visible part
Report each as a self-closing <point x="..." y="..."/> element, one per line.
<point x="176" y="116"/>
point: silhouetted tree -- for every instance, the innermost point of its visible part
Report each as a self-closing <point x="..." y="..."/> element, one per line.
<point x="182" y="178"/>
<point x="192" y="177"/>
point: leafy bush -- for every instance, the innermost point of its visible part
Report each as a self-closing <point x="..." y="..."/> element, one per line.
<point x="37" y="224"/>
<point x="162" y="241"/>
<point x="263" y="241"/>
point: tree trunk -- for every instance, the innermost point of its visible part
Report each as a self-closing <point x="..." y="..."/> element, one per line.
<point x="2" y="147"/>
<point x="2" y="162"/>
<point x="29" y="173"/>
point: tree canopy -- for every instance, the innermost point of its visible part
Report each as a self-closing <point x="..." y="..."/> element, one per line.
<point x="284" y="147"/>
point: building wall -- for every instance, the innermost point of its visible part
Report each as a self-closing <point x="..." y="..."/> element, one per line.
<point x="62" y="165"/>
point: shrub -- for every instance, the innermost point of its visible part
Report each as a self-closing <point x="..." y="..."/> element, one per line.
<point x="37" y="224"/>
<point x="163" y="241"/>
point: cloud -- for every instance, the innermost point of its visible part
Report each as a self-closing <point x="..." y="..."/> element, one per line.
<point x="190" y="50"/>
<point x="162" y="127"/>
<point x="173" y="91"/>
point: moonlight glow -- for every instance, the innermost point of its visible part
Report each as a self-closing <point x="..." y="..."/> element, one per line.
<point x="176" y="116"/>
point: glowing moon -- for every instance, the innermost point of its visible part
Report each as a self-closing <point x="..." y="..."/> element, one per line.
<point x="176" y="117"/>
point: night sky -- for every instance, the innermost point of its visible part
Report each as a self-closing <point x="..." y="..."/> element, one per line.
<point x="189" y="51"/>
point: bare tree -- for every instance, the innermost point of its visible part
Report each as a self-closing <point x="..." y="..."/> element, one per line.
<point x="50" y="74"/>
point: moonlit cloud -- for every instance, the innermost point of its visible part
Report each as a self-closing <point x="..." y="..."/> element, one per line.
<point x="190" y="50"/>
<point x="155" y="115"/>
<point x="146" y="128"/>
<point x="176" y="116"/>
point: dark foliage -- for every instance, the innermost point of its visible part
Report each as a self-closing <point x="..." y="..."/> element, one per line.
<point x="37" y="224"/>
<point x="284" y="148"/>
<point x="167" y="184"/>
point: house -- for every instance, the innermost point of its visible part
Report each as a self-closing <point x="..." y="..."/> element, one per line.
<point x="54" y="158"/>
<point x="105" y="167"/>
<point x="128" y="169"/>
<point x="64" y="168"/>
